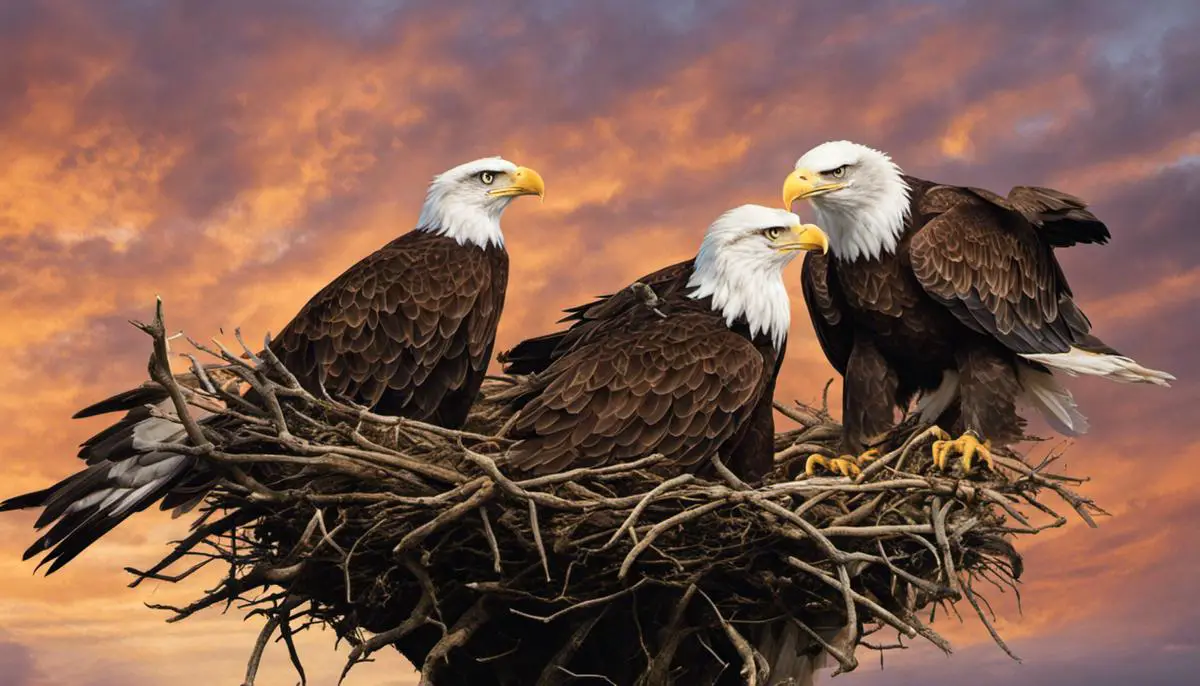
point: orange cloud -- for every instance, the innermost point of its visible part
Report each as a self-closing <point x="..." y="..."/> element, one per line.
<point x="234" y="158"/>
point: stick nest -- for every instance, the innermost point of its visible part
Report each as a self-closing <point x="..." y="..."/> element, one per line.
<point x="398" y="533"/>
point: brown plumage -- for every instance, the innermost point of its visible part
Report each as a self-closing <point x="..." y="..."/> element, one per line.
<point x="949" y="292"/>
<point x="653" y="368"/>
<point x="972" y="283"/>
<point x="534" y="355"/>
<point x="407" y="331"/>
<point x="684" y="385"/>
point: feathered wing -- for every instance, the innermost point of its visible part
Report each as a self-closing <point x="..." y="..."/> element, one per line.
<point x="827" y="311"/>
<point x="679" y="385"/>
<point x="403" y="330"/>
<point x="995" y="270"/>
<point x="1062" y="219"/>
<point x="534" y="355"/>
<point x="991" y="269"/>
<point x="408" y="331"/>
<point x="119" y="480"/>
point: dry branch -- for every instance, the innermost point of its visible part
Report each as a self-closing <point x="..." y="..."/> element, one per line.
<point x="394" y="532"/>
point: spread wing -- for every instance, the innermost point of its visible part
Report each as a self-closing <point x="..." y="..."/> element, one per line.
<point x="1061" y="218"/>
<point x="534" y="355"/>
<point x="680" y="386"/>
<point x="827" y="310"/>
<point x="996" y="272"/>
<point x="416" y="315"/>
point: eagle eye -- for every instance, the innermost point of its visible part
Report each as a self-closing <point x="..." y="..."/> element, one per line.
<point x="773" y="233"/>
<point x="487" y="177"/>
<point x="839" y="172"/>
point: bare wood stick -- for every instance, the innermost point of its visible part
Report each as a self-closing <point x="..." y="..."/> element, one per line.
<point x="414" y="538"/>
<point x="537" y="538"/>
<point x="457" y="637"/>
<point x="580" y="605"/>
<point x="643" y="503"/>
<point x="663" y="526"/>
<point x="556" y="669"/>
<point x="160" y="372"/>
<point x="493" y="545"/>
<point x="750" y="657"/>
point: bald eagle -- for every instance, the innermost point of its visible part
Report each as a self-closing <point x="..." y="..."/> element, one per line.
<point x="949" y="293"/>
<point x="688" y="375"/>
<point x="407" y="331"/>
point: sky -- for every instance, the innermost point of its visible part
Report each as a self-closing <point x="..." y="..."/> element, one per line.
<point x="234" y="157"/>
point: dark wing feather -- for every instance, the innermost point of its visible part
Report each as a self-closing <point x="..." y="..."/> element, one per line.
<point x="827" y="310"/>
<point x="147" y="394"/>
<point x="680" y="385"/>
<point x="534" y="355"/>
<point x="401" y="329"/>
<point x="1062" y="219"/>
<point x="995" y="272"/>
<point x="422" y="311"/>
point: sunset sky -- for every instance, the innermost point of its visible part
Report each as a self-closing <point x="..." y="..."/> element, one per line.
<point x="234" y="156"/>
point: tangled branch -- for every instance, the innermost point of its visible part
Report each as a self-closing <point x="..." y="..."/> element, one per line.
<point x="398" y="533"/>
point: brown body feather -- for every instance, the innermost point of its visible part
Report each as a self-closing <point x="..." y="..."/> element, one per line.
<point x="631" y="378"/>
<point x="406" y="331"/>
<point x="972" y="284"/>
<point x="534" y="355"/>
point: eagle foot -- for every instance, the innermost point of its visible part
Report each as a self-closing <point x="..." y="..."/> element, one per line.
<point x="968" y="446"/>
<point x="846" y="465"/>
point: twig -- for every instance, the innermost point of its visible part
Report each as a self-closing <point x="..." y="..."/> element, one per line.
<point x="750" y="657"/>
<point x="581" y="605"/>
<point x="457" y="637"/>
<point x="537" y="538"/>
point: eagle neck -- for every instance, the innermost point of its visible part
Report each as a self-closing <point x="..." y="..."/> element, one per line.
<point x="466" y="224"/>
<point x="866" y="230"/>
<point x="747" y="296"/>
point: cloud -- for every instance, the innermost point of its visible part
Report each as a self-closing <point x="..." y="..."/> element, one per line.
<point x="234" y="157"/>
<point x="16" y="664"/>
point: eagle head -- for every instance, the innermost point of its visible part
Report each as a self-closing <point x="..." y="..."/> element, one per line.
<point x="740" y="266"/>
<point x="465" y="203"/>
<point x="859" y="195"/>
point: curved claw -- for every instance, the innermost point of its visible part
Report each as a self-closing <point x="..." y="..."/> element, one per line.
<point x="814" y="461"/>
<point x="846" y="465"/>
<point x="968" y="446"/>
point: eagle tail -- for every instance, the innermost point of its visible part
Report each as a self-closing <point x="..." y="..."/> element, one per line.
<point x="1052" y="400"/>
<point x="932" y="405"/>
<point x="1108" y="365"/>
<point x="122" y="478"/>
<point x="793" y="658"/>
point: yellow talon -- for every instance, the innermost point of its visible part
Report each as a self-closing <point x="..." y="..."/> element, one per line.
<point x="846" y="465"/>
<point x="967" y="445"/>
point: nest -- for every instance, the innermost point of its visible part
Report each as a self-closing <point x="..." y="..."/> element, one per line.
<point x="398" y="533"/>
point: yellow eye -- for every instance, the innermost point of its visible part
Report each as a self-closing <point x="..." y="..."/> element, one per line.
<point x="487" y="177"/>
<point x="773" y="233"/>
<point x="839" y="172"/>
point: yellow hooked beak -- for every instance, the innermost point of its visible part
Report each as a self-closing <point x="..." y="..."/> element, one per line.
<point x="525" y="181"/>
<point x="805" y="183"/>
<point x="803" y="237"/>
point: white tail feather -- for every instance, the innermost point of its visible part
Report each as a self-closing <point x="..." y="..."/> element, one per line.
<point x="932" y="405"/>
<point x="786" y="652"/>
<point x="1112" y="367"/>
<point x="1054" y="402"/>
